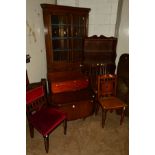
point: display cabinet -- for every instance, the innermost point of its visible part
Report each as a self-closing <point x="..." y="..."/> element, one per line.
<point x="65" y="29"/>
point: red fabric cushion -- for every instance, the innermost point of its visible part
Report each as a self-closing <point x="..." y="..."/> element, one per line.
<point x="71" y="85"/>
<point x="46" y="120"/>
<point x="33" y="94"/>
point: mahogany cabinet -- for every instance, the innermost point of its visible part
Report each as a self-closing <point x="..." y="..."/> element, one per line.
<point x="65" y="29"/>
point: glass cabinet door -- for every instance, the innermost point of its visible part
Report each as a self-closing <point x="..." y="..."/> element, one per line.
<point x="67" y="37"/>
<point x="61" y="36"/>
<point x="78" y="34"/>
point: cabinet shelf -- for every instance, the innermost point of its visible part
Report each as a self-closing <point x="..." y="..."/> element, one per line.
<point x="66" y="50"/>
<point x="61" y="25"/>
<point x="61" y="50"/>
<point x="64" y="38"/>
<point x="67" y="25"/>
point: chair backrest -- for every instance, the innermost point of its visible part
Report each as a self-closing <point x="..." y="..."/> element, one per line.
<point x="107" y="85"/>
<point x="35" y="99"/>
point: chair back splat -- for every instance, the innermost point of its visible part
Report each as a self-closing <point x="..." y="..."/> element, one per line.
<point x="35" y="99"/>
<point x="107" y="85"/>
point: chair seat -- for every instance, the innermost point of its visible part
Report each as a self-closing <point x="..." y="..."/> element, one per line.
<point x="111" y="103"/>
<point x="46" y="120"/>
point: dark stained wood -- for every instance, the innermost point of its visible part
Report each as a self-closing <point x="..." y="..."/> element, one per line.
<point x="65" y="30"/>
<point x="77" y="103"/>
<point x="100" y="50"/>
<point x="68" y="38"/>
<point x="99" y="57"/>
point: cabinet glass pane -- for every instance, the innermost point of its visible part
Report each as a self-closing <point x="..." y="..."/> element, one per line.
<point x="60" y="55"/>
<point x="60" y="37"/>
<point x="61" y="49"/>
<point x="77" y="49"/>
<point x="78" y="26"/>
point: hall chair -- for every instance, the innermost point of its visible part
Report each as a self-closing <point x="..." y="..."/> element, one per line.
<point x="93" y="71"/>
<point x="40" y="115"/>
<point x="107" y="96"/>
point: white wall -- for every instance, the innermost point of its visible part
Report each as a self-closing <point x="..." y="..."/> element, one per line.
<point x="102" y="17"/>
<point x="35" y="43"/>
<point x="123" y="33"/>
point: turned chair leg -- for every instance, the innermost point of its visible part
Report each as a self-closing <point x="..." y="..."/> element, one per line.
<point x="122" y="116"/>
<point x="65" y="126"/>
<point x="104" y="113"/>
<point x="96" y="108"/>
<point x="31" y="130"/>
<point x="46" y="143"/>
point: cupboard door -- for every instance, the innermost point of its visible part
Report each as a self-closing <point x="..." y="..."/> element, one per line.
<point x="61" y="35"/>
<point x="78" y="34"/>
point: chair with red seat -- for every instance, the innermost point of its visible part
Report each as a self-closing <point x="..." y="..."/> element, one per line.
<point x="40" y="116"/>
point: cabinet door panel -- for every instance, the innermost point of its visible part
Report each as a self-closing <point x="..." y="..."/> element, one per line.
<point x="78" y="36"/>
<point x="65" y="29"/>
<point x="60" y="37"/>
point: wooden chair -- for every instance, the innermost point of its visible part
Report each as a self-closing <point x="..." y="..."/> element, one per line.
<point x="40" y="116"/>
<point x="107" y="96"/>
<point x="93" y="71"/>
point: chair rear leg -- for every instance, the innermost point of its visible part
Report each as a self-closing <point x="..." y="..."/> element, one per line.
<point x="46" y="143"/>
<point x="104" y="114"/>
<point x="96" y="107"/>
<point x="31" y="130"/>
<point x="65" y="126"/>
<point x="122" y="116"/>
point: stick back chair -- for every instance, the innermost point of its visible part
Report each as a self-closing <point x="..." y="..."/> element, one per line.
<point x="107" y="96"/>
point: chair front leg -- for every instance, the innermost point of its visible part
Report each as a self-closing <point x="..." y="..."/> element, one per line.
<point x="46" y="143"/>
<point x="104" y="114"/>
<point x="122" y="116"/>
<point x="31" y="130"/>
<point x="65" y="126"/>
<point x="96" y="107"/>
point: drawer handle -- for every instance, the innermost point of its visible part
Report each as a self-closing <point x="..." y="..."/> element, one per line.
<point x="73" y="106"/>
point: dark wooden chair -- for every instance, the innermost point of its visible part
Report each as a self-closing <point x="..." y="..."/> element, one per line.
<point x="39" y="115"/>
<point x="107" y="96"/>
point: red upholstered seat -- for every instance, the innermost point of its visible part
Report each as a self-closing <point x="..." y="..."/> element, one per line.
<point x="40" y="116"/>
<point x="46" y="120"/>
